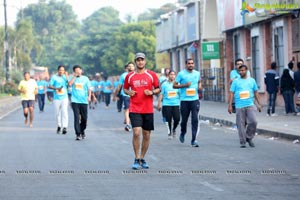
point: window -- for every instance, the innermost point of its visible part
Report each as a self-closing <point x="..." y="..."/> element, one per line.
<point x="185" y="53"/>
<point x="236" y="46"/>
<point x="279" y="47"/>
<point x="178" y="60"/>
<point x="255" y="61"/>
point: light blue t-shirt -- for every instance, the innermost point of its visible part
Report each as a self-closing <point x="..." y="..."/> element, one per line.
<point x="107" y="86"/>
<point x="162" y="79"/>
<point x="94" y="85"/>
<point x="42" y="84"/>
<point x="116" y="83"/>
<point x="121" y="82"/>
<point x="49" y="89"/>
<point x="80" y="90"/>
<point x="190" y="93"/>
<point x="100" y="85"/>
<point x="57" y="82"/>
<point x="235" y="74"/>
<point x="243" y="90"/>
<point x="170" y="94"/>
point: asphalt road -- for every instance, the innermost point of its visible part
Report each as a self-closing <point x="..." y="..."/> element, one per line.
<point x="36" y="163"/>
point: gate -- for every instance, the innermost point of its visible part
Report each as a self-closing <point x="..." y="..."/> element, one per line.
<point x="213" y="83"/>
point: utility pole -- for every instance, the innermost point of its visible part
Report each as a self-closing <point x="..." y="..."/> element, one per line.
<point x="6" y="46"/>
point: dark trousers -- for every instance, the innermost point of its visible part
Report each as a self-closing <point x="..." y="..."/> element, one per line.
<point x="272" y="102"/>
<point x="107" y="98"/>
<point x="288" y="97"/>
<point x="41" y="100"/>
<point x="120" y="102"/>
<point x="187" y="107"/>
<point x="171" y="113"/>
<point x="80" y="111"/>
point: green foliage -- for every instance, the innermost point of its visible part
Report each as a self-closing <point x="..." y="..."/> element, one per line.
<point x="129" y="39"/>
<point x="16" y="76"/>
<point x="56" y="29"/>
<point x="154" y="13"/>
<point x="98" y="30"/>
<point x="11" y="88"/>
<point x="48" y="34"/>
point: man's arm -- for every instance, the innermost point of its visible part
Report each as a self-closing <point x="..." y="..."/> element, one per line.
<point x="177" y="85"/>
<point x="117" y="90"/>
<point x="159" y="101"/>
<point x="256" y="95"/>
<point x="70" y="83"/>
<point x="230" y="102"/>
<point x="200" y="85"/>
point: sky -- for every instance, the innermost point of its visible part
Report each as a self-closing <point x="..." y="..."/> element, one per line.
<point x="84" y="8"/>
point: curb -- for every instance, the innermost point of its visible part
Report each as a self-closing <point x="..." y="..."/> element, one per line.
<point x="260" y="131"/>
<point x="10" y="107"/>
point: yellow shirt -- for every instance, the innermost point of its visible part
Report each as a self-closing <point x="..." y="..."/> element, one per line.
<point x="29" y="86"/>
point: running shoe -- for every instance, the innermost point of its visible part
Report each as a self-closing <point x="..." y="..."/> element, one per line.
<point x="83" y="135"/>
<point x="144" y="164"/>
<point x="174" y="134"/>
<point x="136" y="165"/>
<point x="250" y="142"/>
<point x="64" y="131"/>
<point x="58" y="130"/>
<point x="77" y="138"/>
<point x="181" y="138"/>
<point x="195" y="144"/>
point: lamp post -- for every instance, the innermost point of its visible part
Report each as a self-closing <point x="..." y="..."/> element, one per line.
<point x="6" y="46"/>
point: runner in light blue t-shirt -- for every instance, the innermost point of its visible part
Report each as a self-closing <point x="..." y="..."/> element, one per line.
<point x="59" y="84"/>
<point x="81" y="96"/>
<point x="189" y="83"/>
<point x="168" y="102"/>
<point x="243" y="90"/>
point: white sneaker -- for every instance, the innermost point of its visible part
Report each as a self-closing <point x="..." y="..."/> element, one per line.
<point x="274" y="115"/>
<point x="298" y="114"/>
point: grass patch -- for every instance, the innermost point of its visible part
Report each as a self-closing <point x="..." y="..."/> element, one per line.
<point x="3" y="95"/>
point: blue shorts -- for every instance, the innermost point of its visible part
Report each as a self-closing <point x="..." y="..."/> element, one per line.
<point x="126" y="102"/>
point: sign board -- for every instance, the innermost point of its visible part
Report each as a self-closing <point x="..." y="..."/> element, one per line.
<point x="210" y="50"/>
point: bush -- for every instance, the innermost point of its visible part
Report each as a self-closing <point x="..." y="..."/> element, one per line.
<point x="11" y="88"/>
<point x="16" y="76"/>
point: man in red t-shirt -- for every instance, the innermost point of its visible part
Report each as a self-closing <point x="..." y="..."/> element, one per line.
<point x="141" y="85"/>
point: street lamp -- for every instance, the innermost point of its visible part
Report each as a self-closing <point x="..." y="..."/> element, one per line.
<point x="6" y="47"/>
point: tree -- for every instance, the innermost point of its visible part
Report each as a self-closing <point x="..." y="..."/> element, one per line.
<point x="97" y="31"/>
<point x="56" y="28"/>
<point x="23" y="44"/>
<point x="129" y="39"/>
<point x="155" y="13"/>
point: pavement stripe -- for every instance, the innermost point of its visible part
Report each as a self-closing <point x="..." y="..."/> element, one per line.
<point x="211" y="186"/>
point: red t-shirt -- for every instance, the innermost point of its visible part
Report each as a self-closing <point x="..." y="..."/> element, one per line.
<point x="141" y="103"/>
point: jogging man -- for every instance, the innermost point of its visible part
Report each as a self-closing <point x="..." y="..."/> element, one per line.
<point x="188" y="80"/>
<point x="141" y="85"/>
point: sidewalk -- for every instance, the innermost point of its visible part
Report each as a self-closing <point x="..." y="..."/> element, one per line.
<point x="281" y="126"/>
<point x="9" y="104"/>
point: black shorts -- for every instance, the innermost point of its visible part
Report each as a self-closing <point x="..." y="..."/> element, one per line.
<point x="146" y="121"/>
<point x="27" y="103"/>
<point x="50" y="95"/>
